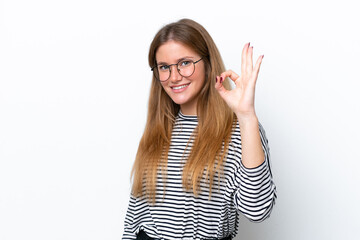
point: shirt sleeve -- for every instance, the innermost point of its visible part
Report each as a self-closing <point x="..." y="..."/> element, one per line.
<point x="129" y="231"/>
<point x="255" y="192"/>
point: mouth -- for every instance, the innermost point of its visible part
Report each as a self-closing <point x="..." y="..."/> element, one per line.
<point x="180" y="87"/>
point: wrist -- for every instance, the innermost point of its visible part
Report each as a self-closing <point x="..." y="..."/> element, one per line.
<point x="247" y="120"/>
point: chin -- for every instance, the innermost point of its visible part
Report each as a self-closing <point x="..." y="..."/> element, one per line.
<point x="179" y="100"/>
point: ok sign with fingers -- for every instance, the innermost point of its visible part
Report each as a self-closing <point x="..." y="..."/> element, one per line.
<point x="241" y="99"/>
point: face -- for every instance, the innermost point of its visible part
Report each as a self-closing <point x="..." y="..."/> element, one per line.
<point x="182" y="90"/>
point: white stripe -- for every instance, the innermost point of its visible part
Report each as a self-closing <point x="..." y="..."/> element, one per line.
<point x="180" y="215"/>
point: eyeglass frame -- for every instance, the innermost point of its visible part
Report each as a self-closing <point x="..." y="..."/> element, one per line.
<point x="177" y="67"/>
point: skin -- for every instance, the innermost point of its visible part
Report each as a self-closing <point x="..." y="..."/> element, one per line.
<point x="240" y="99"/>
<point x="170" y="53"/>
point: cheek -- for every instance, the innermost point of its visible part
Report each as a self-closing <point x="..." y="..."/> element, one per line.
<point x="165" y="88"/>
<point x="199" y="76"/>
<point x="163" y="85"/>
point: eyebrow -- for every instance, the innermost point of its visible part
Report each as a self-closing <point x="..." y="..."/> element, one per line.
<point x="183" y="58"/>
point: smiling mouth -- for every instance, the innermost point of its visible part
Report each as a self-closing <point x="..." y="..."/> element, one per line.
<point x="180" y="87"/>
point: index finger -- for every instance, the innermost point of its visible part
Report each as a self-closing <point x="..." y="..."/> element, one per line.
<point x="230" y="74"/>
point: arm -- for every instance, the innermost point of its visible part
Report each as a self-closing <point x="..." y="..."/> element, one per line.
<point x="252" y="150"/>
<point x="241" y="100"/>
<point x="256" y="192"/>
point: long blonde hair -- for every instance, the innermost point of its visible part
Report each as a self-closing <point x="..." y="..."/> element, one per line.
<point x="215" y="118"/>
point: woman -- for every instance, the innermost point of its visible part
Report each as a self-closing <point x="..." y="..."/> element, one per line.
<point x="193" y="173"/>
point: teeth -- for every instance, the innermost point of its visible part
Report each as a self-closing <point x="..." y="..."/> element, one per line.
<point x="180" y="87"/>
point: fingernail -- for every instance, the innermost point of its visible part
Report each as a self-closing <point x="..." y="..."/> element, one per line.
<point x="249" y="44"/>
<point x="221" y="79"/>
<point x="262" y="56"/>
<point x="216" y="79"/>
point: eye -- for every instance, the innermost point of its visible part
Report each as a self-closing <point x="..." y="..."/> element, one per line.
<point x="163" y="67"/>
<point x="185" y="63"/>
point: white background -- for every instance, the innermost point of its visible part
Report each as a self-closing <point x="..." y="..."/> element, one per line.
<point x="74" y="85"/>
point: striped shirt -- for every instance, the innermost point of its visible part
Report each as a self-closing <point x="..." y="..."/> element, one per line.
<point x="178" y="214"/>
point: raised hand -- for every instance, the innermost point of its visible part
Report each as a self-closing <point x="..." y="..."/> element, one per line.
<point x="241" y="99"/>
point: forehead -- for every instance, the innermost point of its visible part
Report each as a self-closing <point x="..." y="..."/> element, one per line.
<point x="172" y="51"/>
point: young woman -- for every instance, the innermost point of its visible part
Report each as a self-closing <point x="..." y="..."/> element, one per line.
<point x="203" y="157"/>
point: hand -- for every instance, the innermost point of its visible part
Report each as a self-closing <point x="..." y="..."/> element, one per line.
<point x="241" y="99"/>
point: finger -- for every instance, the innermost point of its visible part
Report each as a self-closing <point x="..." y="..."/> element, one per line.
<point x="243" y="58"/>
<point x="257" y="68"/>
<point x="230" y="74"/>
<point x="220" y="87"/>
<point x="249" y="61"/>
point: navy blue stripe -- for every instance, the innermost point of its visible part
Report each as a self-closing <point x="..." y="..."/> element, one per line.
<point x="179" y="214"/>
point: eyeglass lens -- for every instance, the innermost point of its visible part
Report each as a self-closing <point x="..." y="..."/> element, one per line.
<point x="185" y="68"/>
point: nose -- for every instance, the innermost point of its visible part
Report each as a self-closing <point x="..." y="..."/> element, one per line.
<point x="174" y="73"/>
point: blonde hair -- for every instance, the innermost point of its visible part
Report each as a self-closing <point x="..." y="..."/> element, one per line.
<point x="215" y="118"/>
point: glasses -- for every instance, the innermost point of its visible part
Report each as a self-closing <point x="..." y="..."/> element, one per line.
<point x="186" y="68"/>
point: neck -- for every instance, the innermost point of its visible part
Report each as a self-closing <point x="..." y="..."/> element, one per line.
<point x="188" y="109"/>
